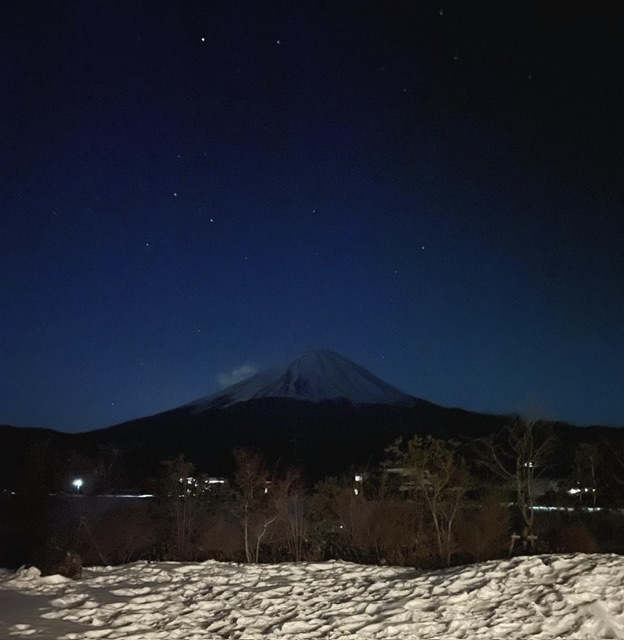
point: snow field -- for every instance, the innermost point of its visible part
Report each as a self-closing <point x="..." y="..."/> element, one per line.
<point x="541" y="597"/>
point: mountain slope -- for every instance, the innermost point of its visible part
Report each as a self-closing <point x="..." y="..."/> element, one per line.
<point x="317" y="376"/>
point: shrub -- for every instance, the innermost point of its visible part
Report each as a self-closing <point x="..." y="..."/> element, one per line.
<point x="574" y="538"/>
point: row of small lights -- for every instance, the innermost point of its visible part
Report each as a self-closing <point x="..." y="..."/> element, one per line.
<point x="78" y="483"/>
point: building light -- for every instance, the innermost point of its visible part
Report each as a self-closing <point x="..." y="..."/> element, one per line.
<point x="358" y="478"/>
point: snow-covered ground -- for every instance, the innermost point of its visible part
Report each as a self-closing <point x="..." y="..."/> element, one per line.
<point x="572" y="596"/>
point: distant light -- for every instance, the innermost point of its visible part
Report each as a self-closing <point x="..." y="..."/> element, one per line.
<point x="569" y="509"/>
<point x="78" y="483"/>
<point x="575" y="490"/>
<point x="358" y="478"/>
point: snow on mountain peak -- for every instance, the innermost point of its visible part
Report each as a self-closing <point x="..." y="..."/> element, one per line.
<point x="315" y="376"/>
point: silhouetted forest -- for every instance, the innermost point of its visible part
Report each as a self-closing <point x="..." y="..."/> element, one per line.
<point x="425" y="502"/>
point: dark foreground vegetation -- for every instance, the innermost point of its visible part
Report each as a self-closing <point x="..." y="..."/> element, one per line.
<point x="431" y="503"/>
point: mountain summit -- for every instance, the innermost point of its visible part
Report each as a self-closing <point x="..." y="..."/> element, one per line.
<point x="316" y="376"/>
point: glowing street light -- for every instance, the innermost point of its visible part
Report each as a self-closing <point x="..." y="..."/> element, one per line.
<point x="77" y="484"/>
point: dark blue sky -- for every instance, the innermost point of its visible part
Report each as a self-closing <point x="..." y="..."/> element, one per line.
<point x="433" y="190"/>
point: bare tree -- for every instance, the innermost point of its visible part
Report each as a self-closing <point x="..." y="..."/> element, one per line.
<point x="339" y="516"/>
<point x="255" y="507"/>
<point x="519" y="455"/>
<point x="588" y="471"/>
<point x="611" y="468"/>
<point x="178" y="496"/>
<point x="433" y="471"/>
<point x="290" y="501"/>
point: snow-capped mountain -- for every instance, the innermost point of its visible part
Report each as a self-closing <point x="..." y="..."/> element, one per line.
<point x="321" y="413"/>
<point x="317" y="376"/>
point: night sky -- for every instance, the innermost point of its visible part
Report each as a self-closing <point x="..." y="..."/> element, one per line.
<point x="191" y="191"/>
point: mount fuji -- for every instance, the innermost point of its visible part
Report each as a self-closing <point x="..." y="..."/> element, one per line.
<point x="322" y="413"/>
<point x="317" y="376"/>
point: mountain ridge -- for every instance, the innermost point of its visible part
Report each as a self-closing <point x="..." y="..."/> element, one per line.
<point x="321" y="413"/>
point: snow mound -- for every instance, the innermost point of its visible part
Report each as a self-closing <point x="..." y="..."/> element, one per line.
<point x="316" y="376"/>
<point x="541" y="597"/>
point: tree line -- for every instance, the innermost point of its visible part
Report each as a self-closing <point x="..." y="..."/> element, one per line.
<point x="431" y="503"/>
